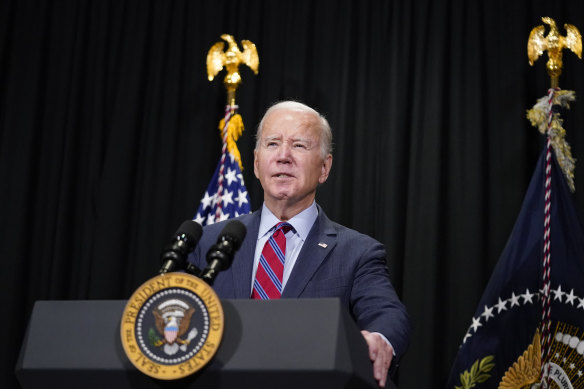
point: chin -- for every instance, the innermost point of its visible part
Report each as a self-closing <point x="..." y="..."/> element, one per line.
<point x="282" y="196"/>
<point x="281" y="192"/>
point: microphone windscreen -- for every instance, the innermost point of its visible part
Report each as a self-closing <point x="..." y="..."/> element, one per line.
<point x="191" y="229"/>
<point x="236" y="230"/>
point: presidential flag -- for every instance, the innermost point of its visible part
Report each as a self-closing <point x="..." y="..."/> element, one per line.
<point x="504" y="346"/>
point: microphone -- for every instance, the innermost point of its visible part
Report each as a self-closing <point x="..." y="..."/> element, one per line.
<point x="185" y="239"/>
<point x="220" y="255"/>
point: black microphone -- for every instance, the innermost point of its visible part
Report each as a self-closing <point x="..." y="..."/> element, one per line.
<point x="220" y="255"/>
<point x="175" y="253"/>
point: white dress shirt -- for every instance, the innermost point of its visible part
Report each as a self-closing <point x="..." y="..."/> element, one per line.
<point x="302" y="223"/>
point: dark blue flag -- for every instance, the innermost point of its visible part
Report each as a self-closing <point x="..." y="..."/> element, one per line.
<point x="500" y="345"/>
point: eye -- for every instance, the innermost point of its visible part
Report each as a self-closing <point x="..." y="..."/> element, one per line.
<point x="300" y="145"/>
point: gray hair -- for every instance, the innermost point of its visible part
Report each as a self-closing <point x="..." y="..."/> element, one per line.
<point x="326" y="136"/>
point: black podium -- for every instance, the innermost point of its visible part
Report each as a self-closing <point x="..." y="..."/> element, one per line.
<point x="310" y="343"/>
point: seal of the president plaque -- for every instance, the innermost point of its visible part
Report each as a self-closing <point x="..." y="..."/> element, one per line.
<point x="172" y="326"/>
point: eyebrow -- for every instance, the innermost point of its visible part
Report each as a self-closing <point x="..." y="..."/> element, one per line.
<point x="306" y="140"/>
<point x="273" y="137"/>
<point x="279" y="137"/>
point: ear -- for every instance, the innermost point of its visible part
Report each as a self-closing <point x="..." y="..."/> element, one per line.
<point x="256" y="163"/>
<point x="327" y="163"/>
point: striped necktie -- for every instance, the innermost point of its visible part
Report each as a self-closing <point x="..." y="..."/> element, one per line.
<point x="268" y="281"/>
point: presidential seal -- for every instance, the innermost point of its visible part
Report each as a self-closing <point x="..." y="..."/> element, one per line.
<point x="566" y="365"/>
<point x="172" y="326"/>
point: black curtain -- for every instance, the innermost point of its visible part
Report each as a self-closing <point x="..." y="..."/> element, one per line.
<point x="109" y="138"/>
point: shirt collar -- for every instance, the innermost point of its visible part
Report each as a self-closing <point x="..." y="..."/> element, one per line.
<point x="302" y="222"/>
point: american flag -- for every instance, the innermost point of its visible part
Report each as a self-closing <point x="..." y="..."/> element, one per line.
<point x="226" y="196"/>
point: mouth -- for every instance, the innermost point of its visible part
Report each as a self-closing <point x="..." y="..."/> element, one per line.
<point x="282" y="175"/>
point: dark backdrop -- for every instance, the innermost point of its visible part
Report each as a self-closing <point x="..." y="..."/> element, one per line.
<point x="108" y="139"/>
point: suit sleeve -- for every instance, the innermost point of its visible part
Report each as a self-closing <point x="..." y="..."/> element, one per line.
<point x="374" y="302"/>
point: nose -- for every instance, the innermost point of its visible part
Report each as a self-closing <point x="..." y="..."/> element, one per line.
<point x="284" y="152"/>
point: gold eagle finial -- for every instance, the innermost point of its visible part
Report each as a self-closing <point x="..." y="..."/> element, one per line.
<point x="554" y="43"/>
<point x="231" y="59"/>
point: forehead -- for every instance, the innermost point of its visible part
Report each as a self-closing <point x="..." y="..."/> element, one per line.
<point x="289" y="123"/>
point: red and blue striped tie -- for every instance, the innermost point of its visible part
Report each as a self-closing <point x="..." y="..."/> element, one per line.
<point x="268" y="281"/>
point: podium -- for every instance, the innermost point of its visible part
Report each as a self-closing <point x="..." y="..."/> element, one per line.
<point x="288" y="343"/>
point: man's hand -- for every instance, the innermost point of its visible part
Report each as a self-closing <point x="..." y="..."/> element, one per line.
<point x="380" y="354"/>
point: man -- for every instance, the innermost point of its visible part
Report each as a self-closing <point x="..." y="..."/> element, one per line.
<point x="318" y="258"/>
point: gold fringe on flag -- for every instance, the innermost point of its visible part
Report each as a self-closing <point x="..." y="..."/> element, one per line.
<point x="538" y="116"/>
<point x="234" y="130"/>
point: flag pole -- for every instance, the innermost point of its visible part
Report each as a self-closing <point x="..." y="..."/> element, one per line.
<point x="554" y="43"/>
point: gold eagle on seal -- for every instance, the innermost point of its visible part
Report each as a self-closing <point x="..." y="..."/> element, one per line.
<point x="525" y="372"/>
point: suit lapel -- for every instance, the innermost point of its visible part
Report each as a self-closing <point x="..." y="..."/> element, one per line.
<point x="243" y="262"/>
<point x="312" y="255"/>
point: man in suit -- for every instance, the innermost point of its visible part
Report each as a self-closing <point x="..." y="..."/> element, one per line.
<point x="317" y="257"/>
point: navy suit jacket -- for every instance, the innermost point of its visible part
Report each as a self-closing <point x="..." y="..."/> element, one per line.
<point x="351" y="267"/>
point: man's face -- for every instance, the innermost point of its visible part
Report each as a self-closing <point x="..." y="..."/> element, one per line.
<point x="288" y="161"/>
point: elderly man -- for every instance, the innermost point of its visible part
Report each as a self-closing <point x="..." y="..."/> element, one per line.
<point x="293" y="250"/>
